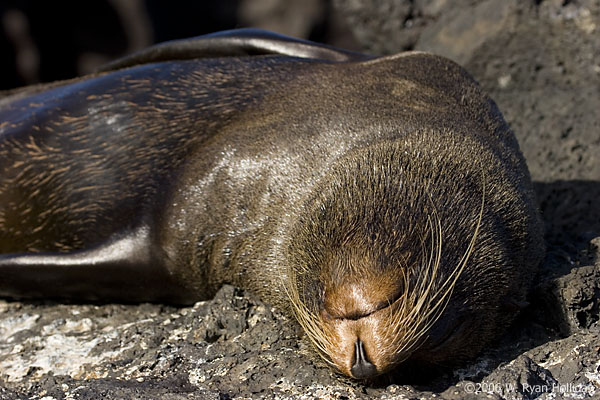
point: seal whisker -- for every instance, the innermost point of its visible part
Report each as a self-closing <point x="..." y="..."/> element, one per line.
<point x="446" y="289"/>
<point x="414" y="328"/>
<point x="306" y="319"/>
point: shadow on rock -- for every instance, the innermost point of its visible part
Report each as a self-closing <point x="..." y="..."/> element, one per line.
<point x="570" y="212"/>
<point x="566" y="298"/>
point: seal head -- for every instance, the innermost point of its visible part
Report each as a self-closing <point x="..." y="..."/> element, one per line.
<point x="411" y="271"/>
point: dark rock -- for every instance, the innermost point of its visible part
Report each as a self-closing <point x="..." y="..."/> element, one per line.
<point x="520" y="379"/>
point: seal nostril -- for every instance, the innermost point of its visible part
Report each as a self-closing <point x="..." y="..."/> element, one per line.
<point x="362" y="367"/>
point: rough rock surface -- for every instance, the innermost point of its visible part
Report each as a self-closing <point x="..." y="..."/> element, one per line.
<point x="540" y="60"/>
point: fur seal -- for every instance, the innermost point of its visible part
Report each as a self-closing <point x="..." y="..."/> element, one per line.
<point x="382" y="201"/>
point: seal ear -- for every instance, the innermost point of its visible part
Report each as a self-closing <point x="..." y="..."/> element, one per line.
<point x="127" y="269"/>
<point x="234" y="43"/>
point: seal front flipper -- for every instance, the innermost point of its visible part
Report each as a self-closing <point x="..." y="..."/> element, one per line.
<point x="234" y="43"/>
<point x="129" y="268"/>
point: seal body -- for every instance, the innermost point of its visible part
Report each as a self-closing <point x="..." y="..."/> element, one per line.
<point x="382" y="201"/>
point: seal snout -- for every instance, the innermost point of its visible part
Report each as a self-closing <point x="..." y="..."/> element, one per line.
<point x="356" y="315"/>
<point x="362" y="368"/>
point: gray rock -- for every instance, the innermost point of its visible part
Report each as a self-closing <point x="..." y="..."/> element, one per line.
<point x="381" y="27"/>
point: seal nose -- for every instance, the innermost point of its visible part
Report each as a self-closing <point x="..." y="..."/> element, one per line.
<point x="362" y="367"/>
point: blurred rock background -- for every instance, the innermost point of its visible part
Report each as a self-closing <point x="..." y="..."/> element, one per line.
<point x="42" y="41"/>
